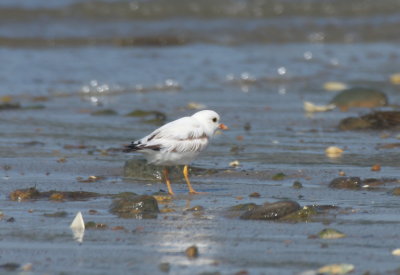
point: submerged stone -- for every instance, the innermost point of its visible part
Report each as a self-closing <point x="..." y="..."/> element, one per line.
<point x="9" y="106"/>
<point x="346" y="183"/>
<point x="154" y="117"/>
<point x="380" y="120"/>
<point x="278" y="176"/>
<point x="271" y="211"/>
<point x="60" y="214"/>
<point x="136" y="207"/>
<point x="330" y="233"/>
<point x="359" y="97"/>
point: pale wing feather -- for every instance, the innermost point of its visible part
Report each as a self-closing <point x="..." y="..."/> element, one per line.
<point x="182" y="135"/>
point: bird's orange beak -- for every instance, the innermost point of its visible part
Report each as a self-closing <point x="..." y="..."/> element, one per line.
<point x="223" y="127"/>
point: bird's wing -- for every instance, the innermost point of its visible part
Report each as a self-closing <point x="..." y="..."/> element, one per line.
<point x="182" y="135"/>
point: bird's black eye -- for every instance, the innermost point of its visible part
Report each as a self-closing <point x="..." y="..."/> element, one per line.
<point x="214" y="119"/>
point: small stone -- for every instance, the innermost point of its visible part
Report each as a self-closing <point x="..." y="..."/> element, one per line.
<point x="297" y="185"/>
<point x="376" y="168"/>
<point x="134" y="206"/>
<point x="11" y="219"/>
<point x="255" y="195"/>
<point x="278" y="176"/>
<point x="330" y="233"/>
<point x="192" y="252"/>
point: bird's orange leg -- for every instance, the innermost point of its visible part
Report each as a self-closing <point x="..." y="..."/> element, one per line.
<point x="167" y="182"/>
<point x="186" y="175"/>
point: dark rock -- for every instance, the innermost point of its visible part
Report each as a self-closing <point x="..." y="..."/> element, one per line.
<point x="243" y="207"/>
<point x="25" y="194"/>
<point x="94" y="225"/>
<point x="374" y="121"/>
<point x="359" y="97"/>
<point x="33" y="194"/>
<point x="10" y="266"/>
<point x="136" y="207"/>
<point x="271" y="211"/>
<point x="372" y="182"/>
<point x="9" y="106"/>
<point x="353" y="183"/>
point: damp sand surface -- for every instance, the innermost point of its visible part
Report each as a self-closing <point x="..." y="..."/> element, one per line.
<point x="59" y="136"/>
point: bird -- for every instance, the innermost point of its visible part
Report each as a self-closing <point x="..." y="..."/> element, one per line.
<point x="178" y="142"/>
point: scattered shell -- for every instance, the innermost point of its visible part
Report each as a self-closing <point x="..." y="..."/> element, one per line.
<point x="234" y="163"/>
<point x="195" y="106"/>
<point x="335" y="86"/>
<point x="336" y="269"/>
<point x="330" y="233"/>
<point x="78" y="227"/>
<point x="311" y="107"/>
<point x="395" y="79"/>
<point x="333" y="152"/>
<point x="396" y="252"/>
<point x="78" y="222"/>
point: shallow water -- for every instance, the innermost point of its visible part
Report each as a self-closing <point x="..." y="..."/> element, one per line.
<point x="252" y="61"/>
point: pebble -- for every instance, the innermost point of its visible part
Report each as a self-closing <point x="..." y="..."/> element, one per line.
<point x="192" y="252"/>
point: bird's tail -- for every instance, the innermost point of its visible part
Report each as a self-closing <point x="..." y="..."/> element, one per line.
<point x="131" y="147"/>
